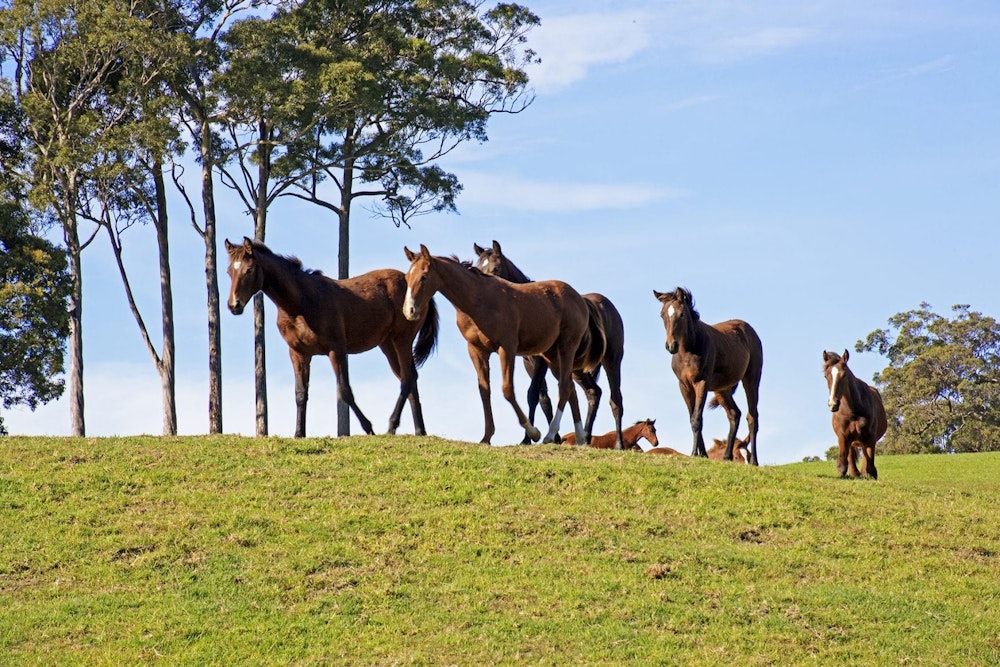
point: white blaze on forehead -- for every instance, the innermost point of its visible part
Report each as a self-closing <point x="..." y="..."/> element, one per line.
<point x="237" y="264"/>
<point x="483" y="262"/>
<point x="671" y="311"/>
<point x="834" y="375"/>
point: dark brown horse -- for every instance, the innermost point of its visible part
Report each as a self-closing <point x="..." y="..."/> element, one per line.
<point x="712" y="358"/>
<point x="493" y="262"/>
<point x="858" y="414"/>
<point x="319" y="315"/>
<point x="630" y="436"/>
<point x="547" y="318"/>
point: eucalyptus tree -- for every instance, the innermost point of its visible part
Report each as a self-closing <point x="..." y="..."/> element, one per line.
<point x="942" y="385"/>
<point x="62" y="58"/>
<point x="401" y="83"/>
<point x="34" y="288"/>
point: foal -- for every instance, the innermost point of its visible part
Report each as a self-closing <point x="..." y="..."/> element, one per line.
<point x="858" y="414"/>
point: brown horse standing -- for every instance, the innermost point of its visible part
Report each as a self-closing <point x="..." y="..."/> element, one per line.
<point x="630" y="436"/>
<point x="493" y="262"/>
<point x="712" y="358"/>
<point x="858" y="414"/>
<point x="319" y="315"/>
<point x="547" y="318"/>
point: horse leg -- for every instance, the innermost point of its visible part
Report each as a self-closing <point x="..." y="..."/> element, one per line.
<point x="538" y="370"/>
<point x="869" y="452"/>
<point x="852" y="459"/>
<point x="593" y="393"/>
<point x="613" y="372"/>
<point x="725" y="399"/>
<point x="405" y="371"/>
<point x="694" y="396"/>
<point x="843" y="455"/>
<point x="344" y="392"/>
<point x="481" y="362"/>
<point x="751" y="387"/>
<point x="300" y="366"/>
<point x="507" y="357"/>
<point x="567" y="393"/>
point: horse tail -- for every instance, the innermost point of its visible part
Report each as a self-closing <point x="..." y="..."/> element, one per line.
<point x="713" y="403"/>
<point x="427" y="337"/>
<point x="595" y="341"/>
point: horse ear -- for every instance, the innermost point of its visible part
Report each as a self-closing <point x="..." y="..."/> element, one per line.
<point x="826" y="356"/>
<point x="660" y="296"/>
<point x="679" y="295"/>
<point x="410" y="255"/>
<point x="424" y="251"/>
<point x="496" y="247"/>
<point x="478" y="249"/>
<point x="846" y="356"/>
<point x="229" y="246"/>
<point x="248" y="244"/>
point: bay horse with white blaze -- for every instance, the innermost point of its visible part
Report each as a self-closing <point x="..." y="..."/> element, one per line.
<point x="858" y="415"/>
<point x="547" y="318"/>
<point x="712" y="358"/>
<point x="492" y="261"/>
<point x="319" y="315"/>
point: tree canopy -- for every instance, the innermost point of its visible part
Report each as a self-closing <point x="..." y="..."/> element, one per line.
<point x="34" y="286"/>
<point x="942" y="385"/>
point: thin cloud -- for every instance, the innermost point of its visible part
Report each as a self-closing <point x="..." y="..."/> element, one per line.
<point x="571" y="46"/>
<point x="516" y="193"/>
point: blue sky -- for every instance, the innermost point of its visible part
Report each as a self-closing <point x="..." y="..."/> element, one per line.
<point x="812" y="168"/>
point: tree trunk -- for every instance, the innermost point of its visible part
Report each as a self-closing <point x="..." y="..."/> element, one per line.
<point x="166" y="365"/>
<point x="211" y="283"/>
<point x="260" y="225"/>
<point x="343" y="262"/>
<point x="72" y="239"/>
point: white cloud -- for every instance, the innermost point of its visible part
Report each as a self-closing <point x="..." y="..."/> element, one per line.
<point x="570" y="46"/>
<point x="518" y="193"/>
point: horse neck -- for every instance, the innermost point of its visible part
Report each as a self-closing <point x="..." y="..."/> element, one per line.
<point x="852" y="391"/>
<point x="694" y="336"/>
<point x="512" y="273"/>
<point x="460" y="285"/>
<point x="631" y="435"/>
<point x="284" y="285"/>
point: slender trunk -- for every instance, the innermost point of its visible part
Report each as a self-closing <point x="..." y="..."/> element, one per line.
<point x="343" y="257"/>
<point x="211" y="283"/>
<point x="166" y="365"/>
<point x="72" y="239"/>
<point x="260" y="224"/>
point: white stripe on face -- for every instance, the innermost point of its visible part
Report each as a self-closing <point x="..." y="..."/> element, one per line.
<point x="834" y="376"/>
<point x="670" y="311"/>
<point x="237" y="264"/>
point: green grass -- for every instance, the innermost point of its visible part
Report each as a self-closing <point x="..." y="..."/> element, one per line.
<point x="379" y="550"/>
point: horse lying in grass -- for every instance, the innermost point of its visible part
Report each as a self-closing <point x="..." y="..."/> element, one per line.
<point x="716" y="453"/>
<point x="630" y="436"/>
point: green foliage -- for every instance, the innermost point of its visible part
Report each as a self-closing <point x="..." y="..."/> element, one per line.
<point x="942" y="385"/>
<point x="34" y="287"/>
<point x="404" y="550"/>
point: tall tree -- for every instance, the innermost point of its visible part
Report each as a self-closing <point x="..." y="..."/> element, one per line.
<point x="402" y="83"/>
<point x="942" y="385"/>
<point x="34" y="288"/>
<point x="63" y="54"/>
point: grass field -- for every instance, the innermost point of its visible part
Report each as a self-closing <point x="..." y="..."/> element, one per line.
<point x="380" y="550"/>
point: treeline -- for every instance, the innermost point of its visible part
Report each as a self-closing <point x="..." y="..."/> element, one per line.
<point x="100" y="103"/>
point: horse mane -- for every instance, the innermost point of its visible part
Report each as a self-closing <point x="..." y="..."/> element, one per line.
<point x="290" y="261"/>
<point x="468" y="264"/>
<point x="689" y="299"/>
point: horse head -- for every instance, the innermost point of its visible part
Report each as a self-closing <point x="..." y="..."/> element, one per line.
<point x="243" y="271"/>
<point x="835" y="371"/>
<point x="421" y="282"/>
<point x="649" y="432"/>
<point x="678" y="314"/>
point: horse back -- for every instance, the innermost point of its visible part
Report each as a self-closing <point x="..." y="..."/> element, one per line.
<point x="738" y="352"/>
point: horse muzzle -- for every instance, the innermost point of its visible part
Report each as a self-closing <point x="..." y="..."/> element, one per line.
<point x="672" y="347"/>
<point x="236" y="308"/>
<point x="834" y="405"/>
<point x="410" y="311"/>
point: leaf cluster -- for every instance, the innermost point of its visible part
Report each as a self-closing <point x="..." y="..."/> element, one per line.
<point x="942" y="385"/>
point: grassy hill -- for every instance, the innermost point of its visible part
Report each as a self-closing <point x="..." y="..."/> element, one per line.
<point x="406" y="550"/>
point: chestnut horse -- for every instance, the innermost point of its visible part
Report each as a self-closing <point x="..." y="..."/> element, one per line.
<point x="858" y="414"/>
<point x="716" y="453"/>
<point x="630" y="436"/>
<point x="547" y="318"/>
<point x="319" y="315"/>
<point x="493" y="262"/>
<point x="712" y="358"/>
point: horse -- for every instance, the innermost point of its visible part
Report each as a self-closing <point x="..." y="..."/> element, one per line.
<point x="319" y="315"/>
<point x="630" y="436"/>
<point x="859" y="419"/>
<point x="712" y="358"/>
<point x="493" y="262"/>
<point x="664" y="451"/>
<point x="547" y="318"/>
<point x="740" y="452"/>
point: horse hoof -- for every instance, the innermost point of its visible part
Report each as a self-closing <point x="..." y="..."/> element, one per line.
<point x="534" y="434"/>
